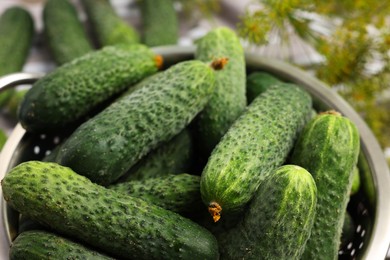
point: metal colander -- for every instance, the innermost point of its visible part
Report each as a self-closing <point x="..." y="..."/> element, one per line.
<point x="369" y="207"/>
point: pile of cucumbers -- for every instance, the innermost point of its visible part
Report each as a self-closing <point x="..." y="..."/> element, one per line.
<point x="195" y="160"/>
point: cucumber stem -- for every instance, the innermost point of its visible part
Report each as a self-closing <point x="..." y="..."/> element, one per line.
<point x="215" y="211"/>
<point x="159" y="61"/>
<point x="219" y="63"/>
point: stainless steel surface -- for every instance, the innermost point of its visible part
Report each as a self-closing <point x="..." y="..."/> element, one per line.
<point x="378" y="178"/>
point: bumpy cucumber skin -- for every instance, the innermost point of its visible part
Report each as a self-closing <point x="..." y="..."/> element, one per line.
<point x="37" y="245"/>
<point x="258" y="142"/>
<point x="117" y="224"/>
<point x="107" y="26"/>
<point x="109" y="144"/>
<point x="16" y="36"/>
<point x="257" y="82"/>
<point x="172" y="157"/>
<point x="179" y="193"/>
<point x="74" y="89"/>
<point x="160" y="24"/>
<point x="64" y="33"/>
<point x="328" y="148"/>
<point x="279" y="219"/>
<point x="228" y="100"/>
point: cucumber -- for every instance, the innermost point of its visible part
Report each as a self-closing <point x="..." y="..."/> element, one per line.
<point x="228" y="100"/>
<point x="177" y="192"/>
<point x="355" y="181"/>
<point x="71" y="91"/>
<point x="3" y="138"/>
<point x="257" y="82"/>
<point x="348" y="231"/>
<point x="258" y="142"/>
<point x="279" y="219"/>
<point x="16" y="36"/>
<point x="37" y="245"/>
<point x="172" y="157"/>
<point x="117" y="224"/>
<point x="13" y="103"/>
<point x="328" y="148"/>
<point x="105" y="147"/>
<point x="64" y="33"/>
<point x="107" y="26"/>
<point x="160" y="25"/>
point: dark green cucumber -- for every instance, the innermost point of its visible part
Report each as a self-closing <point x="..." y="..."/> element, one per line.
<point x="257" y="82"/>
<point x="328" y="148"/>
<point x="172" y="157"/>
<point x="71" y="91"/>
<point x="117" y="224"/>
<point x="16" y="36"/>
<point x="258" y="142"/>
<point x="279" y="219"/>
<point x="177" y="192"/>
<point x="160" y="24"/>
<point x="107" y="26"/>
<point x="64" y="33"/>
<point x="228" y="100"/>
<point x="105" y="147"/>
<point x="37" y="245"/>
<point x="348" y="231"/>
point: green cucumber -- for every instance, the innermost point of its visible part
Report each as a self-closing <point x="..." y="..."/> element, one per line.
<point x="37" y="245"/>
<point x="228" y="100"/>
<point x="279" y="219"/>
<point x="16" y="36"/>
<point x="355" y="181"/>
<point x="348" y="231"/>
<point x="107" y="26"/>
<point x="172" y="157"/>
<point x="257" y="82"/>
<point x="160" y="25"/>
<point x="3" y="138"/>
<point x="105" y="147"/>
<point x="71" y="91"/>
<point x="328" y="148"/>
<point x="177" y="192"/>
<point x="64" y="33"/>
<point x="114" y="223"/>
<point x="258" y="142"/>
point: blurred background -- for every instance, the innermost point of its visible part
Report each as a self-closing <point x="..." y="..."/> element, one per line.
<point x="343" y="43"/>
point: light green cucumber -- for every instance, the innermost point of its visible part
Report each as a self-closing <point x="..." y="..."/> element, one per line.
<point x="172" y="157"/>
<point x="64" y="32"/>
<point x="117" y="224"/>
<point x="328" y="148"/>
<point x="160" y="25"/>
<point x="257" y="82"/>
<point x="177" y="192"/>
<point x="228" y="100"/>
<point x="107" y="26"/>
<point x="105" y="147"/>
<point x="355" y="181"/>
<point x="37" y="245"/>
<point x="279" y="219"/>
<point x="16" y="36"/>
<point x="71" y="91"/>
<point x="258" y="142"/>
<point x="3" y="138"/>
